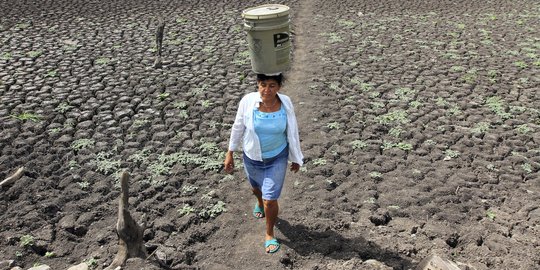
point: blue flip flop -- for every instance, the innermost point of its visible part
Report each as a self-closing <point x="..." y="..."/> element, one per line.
<point x="272" y="242"/>
<point x="258" y="210"/>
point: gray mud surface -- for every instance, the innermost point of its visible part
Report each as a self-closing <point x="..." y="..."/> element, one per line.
<point x="419" y="120"/>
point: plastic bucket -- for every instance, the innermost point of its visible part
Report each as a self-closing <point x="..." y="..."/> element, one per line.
<point x="267" y="28"/>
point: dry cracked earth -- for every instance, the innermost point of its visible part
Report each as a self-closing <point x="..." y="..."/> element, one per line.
<point x="419" y="120"/>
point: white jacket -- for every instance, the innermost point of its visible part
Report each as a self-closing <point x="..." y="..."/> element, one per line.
<point x="243" y="129"/>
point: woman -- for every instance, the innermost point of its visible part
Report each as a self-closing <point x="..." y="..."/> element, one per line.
<point x="266" y="126"/>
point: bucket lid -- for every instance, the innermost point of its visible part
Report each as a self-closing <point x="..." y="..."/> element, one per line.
<point x="266" y="12"/>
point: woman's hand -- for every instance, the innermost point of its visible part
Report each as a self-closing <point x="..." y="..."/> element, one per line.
<point x="295" y="167"/>
<point x="228" y="164"/>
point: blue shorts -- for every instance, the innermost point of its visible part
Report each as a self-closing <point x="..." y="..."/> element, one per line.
<point x="268" y="175"/>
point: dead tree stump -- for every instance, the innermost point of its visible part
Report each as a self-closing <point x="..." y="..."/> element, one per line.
<point x="159" y="41"/>
<point x="130" y="234"/>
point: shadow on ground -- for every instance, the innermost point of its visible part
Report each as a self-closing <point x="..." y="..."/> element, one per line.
<point x="332" y="244"/>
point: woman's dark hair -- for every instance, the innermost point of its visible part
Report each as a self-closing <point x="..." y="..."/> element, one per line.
<point x="263" y="77"/>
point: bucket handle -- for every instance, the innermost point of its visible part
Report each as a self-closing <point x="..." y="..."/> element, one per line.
<point x="248" y="26"/>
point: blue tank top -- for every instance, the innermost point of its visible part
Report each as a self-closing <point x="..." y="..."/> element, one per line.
<point x="271" y="130"/>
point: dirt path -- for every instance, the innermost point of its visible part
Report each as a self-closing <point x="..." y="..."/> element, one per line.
<point x="247" y="234"/>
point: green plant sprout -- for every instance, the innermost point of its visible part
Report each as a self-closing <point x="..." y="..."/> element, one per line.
<point x="496" y="105"/>
<point x="102" y="61"/>
<point x="92" y="262"/>
<point x="213" y="210"/>
<point x="163" y="96"/>
<point x="34" y="54"/>
<point x="481" y="128"/>
<point x="206" y="103"/>
<point x="527" y="167"/>
<point x="26" y="240"/>
<point x="450" y="154"/>
<point x="397" y="116"/>
<point x="139" y="156"/>
<point x="375" y="175"/>
<point x="457" y="69"/>
<point x="27" y="116"/>
<point x="181" y="20"/>
<point x="346" y="23"/>
<point x="490" y="214"/>
<point x="395" y="132"/>
<point x="319" y="161"/>
<point x="358" y="144"/>
<point x="186" y="210"/>
<point x="415" y="104"/>
<point x="189" y="189"/>
<point x="333" y="125"/>
<point x="6" y="56"/>
<point x="404" y="146"/>
<point x="80" y="144"/>
<point x="105" y="163"/>
<point x="523" y="129"/>
<point x="49" y="254"/>
<point x="520" y="64"/>
<point x="83" y="185"/>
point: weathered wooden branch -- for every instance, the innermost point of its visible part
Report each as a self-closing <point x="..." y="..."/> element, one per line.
<point x="14" y="177"/>
<point x="159" y="40"/>
<point x="130" y="234"/>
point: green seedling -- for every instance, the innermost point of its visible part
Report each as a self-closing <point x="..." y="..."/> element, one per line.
<point x="80" y="144"/>
<point x="527" y="167"/>
<point x="158" y="168"/>
<point x="450" y="154"/>
<point x="375" y="175"/>
<point x="396" y="117"/>
<point x="206" y="103"/>
<point x="346" y="23"/>
<point x="213" y="210"/>
<point x="480" y="128"/>
<point x="183" y="114"/>
<point x="34" y="54"/>
<point x="163" y="96"/>
<point x="457" y="69"/>
<point x="404" y="146"/>
<point x="84" y="185"/>
<point x="27" y="116"/>
<point x="51" y="73"/>
<point x="189" y="189"/>
<point x="72" y="164"/>
<point x="26" y="240"/>
<point x="395" y="132"/>
<point x="186" y="210"/>
<point x="63" y="107"/>
<point x="92" y="263"/>
<point x="106" y="164"/>
<point x="6" y="56"/>
<point x="490" y="214"/>
<point x="181" y="20"/>
<point x="180" y="105"/>
<point x="520" y="64"/>
<point x="523" y="129"/>
<point x="319" y="161"/>
<point x="497" y="105"/>
<point x="102" y="61"/>
<point x="333" y="125"/>
<point x="49" y="254"/>
<point x="415" y="104"/>
<point x="358" y="144"/>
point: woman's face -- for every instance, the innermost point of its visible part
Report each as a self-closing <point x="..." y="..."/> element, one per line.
<point x="268" y="88"/>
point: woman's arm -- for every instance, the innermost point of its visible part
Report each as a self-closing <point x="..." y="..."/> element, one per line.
<point x="237" y="132"/>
